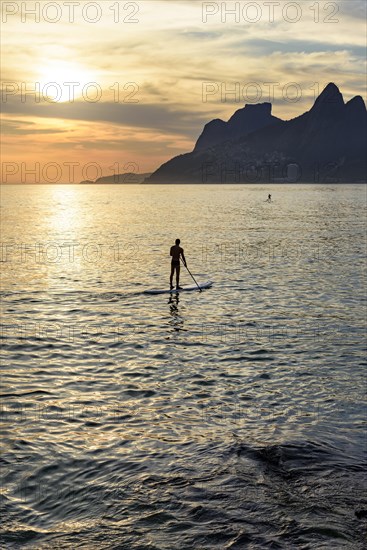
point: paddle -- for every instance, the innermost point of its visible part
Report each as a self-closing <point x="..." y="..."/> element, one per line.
<point x="193" y="277"/>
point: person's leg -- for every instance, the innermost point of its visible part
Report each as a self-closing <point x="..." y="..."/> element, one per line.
<point x="177" y="275"/>
<point x="171" y="276"/>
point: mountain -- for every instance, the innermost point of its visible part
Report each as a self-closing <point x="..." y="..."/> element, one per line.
<point x="243" y="122"/>
<point x="326" y="144"/>
<point x="127" y="177"/>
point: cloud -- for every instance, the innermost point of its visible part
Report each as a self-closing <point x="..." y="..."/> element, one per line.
<point x="354" y="9"/>
<point x="260" y="46"/>
<point x="157" y="117"/>
<point x="26" y="128"/>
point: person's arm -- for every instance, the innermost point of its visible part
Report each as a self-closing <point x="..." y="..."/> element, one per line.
<point x="170" y="252"/>
<point x="183" y="257"/>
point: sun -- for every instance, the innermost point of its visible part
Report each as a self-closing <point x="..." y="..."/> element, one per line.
<point x="61" y="81"/>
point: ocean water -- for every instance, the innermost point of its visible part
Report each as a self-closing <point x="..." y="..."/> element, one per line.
<point x="228" y="419"/>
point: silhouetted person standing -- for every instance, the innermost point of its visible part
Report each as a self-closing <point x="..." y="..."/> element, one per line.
<point x="269" y="198"/>
<point x="176" y="252"/>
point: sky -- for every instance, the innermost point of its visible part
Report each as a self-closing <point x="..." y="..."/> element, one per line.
<point x="97" y="88"/>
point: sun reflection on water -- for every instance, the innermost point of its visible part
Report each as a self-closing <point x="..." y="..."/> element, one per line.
<point x="65" y="215"/>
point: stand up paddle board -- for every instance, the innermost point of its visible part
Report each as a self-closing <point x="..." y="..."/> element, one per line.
<point x="207" y="284"/>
